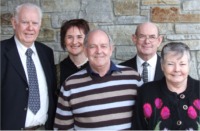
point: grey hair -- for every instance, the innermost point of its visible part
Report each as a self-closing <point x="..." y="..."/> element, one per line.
<point x="88" y="34"/>
<point x="27" y="5"/>
<point x="177" y="47"/>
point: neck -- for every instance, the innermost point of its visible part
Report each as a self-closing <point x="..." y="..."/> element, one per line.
<point x="177" y="87"/>
<point x="79" y="60"/>
<point x="101" y="70"/>
<point x="146" y="57"/>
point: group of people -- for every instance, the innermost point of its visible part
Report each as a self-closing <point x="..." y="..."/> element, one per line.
<point x="87" y="90"/>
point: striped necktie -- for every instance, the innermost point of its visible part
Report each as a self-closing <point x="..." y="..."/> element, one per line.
<point x="34" y="96"/>
<point x="145" y="72"/>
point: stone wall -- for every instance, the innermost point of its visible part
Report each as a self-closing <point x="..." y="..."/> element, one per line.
<point x="178" y="20"/>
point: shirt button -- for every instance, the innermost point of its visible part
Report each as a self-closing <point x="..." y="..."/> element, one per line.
<point x="25" y="109"/>
<point x="182" y="96"/>
<point x="185" y="107"/>
<point x="179" y="122"/>
<point x="27" y="89"/>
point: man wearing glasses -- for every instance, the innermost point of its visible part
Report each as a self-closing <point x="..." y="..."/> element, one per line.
<point x="146" y="61"/>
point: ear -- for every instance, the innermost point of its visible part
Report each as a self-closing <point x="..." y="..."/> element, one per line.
<point x="134" y="39"/>
<point x="160" y="39"/>
<point x="112" y="47"/>
<point x="13" y="22"/>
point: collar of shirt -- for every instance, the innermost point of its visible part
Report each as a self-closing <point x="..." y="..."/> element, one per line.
<point x="113" y="68"/>
<point x="22" y="49"/>
<point x="151" y="68"/>
<point x="152" y="62"/>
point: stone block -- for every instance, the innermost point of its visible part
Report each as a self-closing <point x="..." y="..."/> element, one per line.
<point x="172" y="14"/>
<point x="160" y="2"/>
<point x="7" y="31"/>
<point x="97" y="11"/>
<point x="145" y="13"/>
<point x="13" y="3"/>
<point x="4" y="37"/>
<point x="59" y="56"/>
<point x="121" y="35"/>
<point x="192" y="5"/>
<point x="126" y="7"/>
<point x="187" y="28"/>
<point x="54" y="45"/>
<point x="60" y="5"/>
<point x="46" y="35"/>
<point x="125" y="52"/>
<point x="194" y="70"/>
<point x="4" y="6"/>
<point x="129" y="20"/>
<point x="58" y="18"/>
<point x="165" y="28"/>
<point x="198" y="58"/>
<point x="46" y="21"/>
<point x="56" y="57"/>
<point x="193" y="44"/>
<point x="183" y="37"/>
<point x="6" y="19"/>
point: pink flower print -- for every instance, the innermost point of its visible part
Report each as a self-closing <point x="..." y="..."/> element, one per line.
<point x="196" y="103"/>
<point x="192" y="112"/>
<point x="147" y="110"/>
<point x="158" y="102"/>
<point x="165" y="113"/>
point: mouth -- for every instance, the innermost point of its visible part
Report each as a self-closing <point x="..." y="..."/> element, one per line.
<point x="75" y="46"/>
<point x="98" y="56"/>
<point x="29" y="35"/>
<point x="147" y="47"/>
<point x="176" y="75"/>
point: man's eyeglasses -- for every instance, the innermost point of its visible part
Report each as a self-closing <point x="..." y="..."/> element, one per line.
<point x="151" y="38"/>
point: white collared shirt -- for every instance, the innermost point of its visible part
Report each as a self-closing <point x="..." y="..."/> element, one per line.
<point x="151" y="68"/>
<point x="41" y="116"/>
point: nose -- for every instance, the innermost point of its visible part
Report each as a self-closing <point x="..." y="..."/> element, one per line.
<point x="75" y="40"/>
<point x="30" y="26"/>
<point x="147" y="39"/>
<point x="98" y="49"/>
<point x="177" y="67"/>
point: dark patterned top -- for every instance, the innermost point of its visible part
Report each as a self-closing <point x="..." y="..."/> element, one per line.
<point x="157" y="108"/>
<point x="67" y="68"/>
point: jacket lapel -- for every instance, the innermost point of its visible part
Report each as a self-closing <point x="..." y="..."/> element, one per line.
<point x="158" y="72"/>
<point x="44" y="62"/>
<point x="134" y="63"/>
<point x="13" y="56"/>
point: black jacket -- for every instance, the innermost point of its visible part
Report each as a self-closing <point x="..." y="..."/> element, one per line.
<point x="133" y="64"/>
<point x="14" y="96"/>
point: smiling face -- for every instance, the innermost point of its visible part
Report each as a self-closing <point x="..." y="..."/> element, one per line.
<point x="147" y="40"/>
<point x="99" y="50"/>
<point x="27" y="25"/>
<point x="176" y="67"/>
<point x="74" y="41"/>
